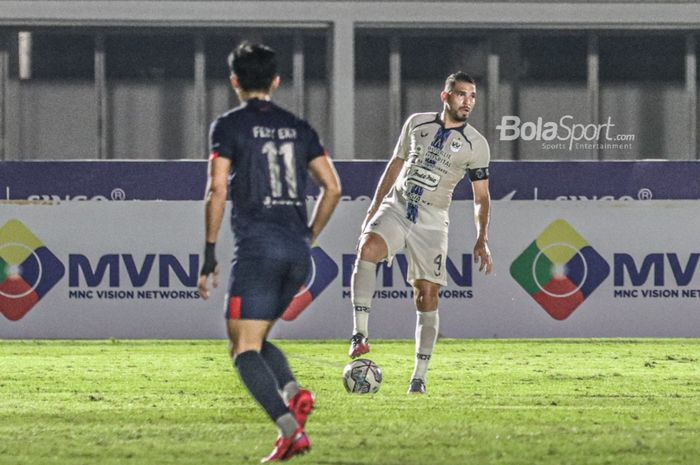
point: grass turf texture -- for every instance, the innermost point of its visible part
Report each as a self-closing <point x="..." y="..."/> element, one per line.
<point x="489" y="402"/>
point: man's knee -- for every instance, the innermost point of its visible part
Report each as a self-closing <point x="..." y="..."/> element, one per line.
<point x="245" y="335"/>
<point x="372" y="248"/>
<point x="238" y="347"/>
<point x="426" y="295"/>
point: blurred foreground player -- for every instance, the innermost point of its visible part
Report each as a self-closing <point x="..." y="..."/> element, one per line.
<point x="262" y="156"/>
<point x="410" y="211"/>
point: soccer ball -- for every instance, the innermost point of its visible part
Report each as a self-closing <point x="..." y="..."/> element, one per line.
<point x="362" y="376"/>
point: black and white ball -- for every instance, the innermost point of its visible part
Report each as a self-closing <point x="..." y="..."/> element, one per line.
<point x="362" y="376"/>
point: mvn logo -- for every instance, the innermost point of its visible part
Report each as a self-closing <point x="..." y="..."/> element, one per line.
<point x="28" y="270"/>
<point x="559" y="269"/>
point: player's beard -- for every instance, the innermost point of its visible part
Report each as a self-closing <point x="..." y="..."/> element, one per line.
<point x="455" y="115"/>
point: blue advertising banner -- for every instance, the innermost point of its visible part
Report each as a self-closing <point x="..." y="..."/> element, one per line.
<point x="102" y="180"/>
<point x="561" y="269"/>
<point x="185" y="180"/>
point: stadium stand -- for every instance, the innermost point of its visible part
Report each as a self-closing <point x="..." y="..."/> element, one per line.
<point x="141" y="80"/>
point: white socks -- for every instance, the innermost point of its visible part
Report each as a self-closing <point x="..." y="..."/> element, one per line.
<point x="364" y="277"/>
<point x="427" y="325"/>
<point x="363" y="285"/>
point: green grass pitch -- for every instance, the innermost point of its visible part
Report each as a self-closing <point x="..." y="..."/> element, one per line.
<point x="534" y="402"/>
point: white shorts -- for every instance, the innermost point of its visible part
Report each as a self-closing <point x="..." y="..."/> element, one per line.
<point x="425" y="241"/>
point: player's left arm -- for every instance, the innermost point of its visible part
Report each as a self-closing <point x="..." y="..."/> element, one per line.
<point x="323" y="173"/>
<point x="482" y="215"/>
<point x="215" y="204"/>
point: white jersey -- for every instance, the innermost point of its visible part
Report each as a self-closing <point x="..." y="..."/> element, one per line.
<point x="436" y="159"/>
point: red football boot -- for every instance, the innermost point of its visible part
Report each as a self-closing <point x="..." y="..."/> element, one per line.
<point x="301" y="405"/>
<point x="286" y="448"/>
<point x="359" y="345"/>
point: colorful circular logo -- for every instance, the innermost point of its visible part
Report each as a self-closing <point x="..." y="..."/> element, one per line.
<point x="28" y="270"/>
<point x="559" y="269"/>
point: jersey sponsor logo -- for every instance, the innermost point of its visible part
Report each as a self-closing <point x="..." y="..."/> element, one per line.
<point x="559" y="269"/>
<point x="412" y="212"/>
<point x="415" y="194"/>
<point x="423" y="177"/>
<point x="269" y="202"/>
<point x="28" y="270"/>
<point x="440" y="156"/>
<point x="437" y="160"/>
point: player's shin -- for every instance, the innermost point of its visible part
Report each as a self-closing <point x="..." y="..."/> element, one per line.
<point x="427" y="326"/>
<point x="277" y="362"/>
<point x="362" y="289"/>
<point x="262" y="385"/>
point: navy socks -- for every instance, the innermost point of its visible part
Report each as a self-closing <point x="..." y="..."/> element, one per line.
<point x="261" y="383"/>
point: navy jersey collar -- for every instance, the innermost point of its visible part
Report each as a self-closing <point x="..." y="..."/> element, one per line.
<point x="256" y="103"/>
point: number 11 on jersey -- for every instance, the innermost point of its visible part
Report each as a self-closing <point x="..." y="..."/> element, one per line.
<point x="276" y="159"/>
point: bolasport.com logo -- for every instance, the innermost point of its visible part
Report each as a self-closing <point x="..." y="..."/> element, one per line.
<point x="559" y="269"/>
<point x="28" y="270"/>
<point x="565" y="134"/>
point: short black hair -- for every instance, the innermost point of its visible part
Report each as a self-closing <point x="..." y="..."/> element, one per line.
<point x="459" y="76"/>
<point x="254" y="65"/>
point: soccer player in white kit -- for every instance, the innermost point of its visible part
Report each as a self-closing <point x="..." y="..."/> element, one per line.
<point x="410" y="211"/>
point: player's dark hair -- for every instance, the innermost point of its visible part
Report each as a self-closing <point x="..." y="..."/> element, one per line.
<point x="459" y="76"/>
<point x="254" y="65"/>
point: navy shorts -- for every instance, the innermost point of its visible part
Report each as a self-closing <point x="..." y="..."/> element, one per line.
<point x="261" y="288"/>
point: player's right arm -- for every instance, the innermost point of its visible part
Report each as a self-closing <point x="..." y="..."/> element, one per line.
<point x="391" y="172"/>
<point x="215" y="204"/>
<point x="221" y="154"/>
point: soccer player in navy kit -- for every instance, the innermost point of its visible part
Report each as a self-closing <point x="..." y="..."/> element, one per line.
<point x="261" y="158"/>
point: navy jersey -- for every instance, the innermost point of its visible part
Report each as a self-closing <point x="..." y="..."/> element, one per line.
<point x="270" y="150"/>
